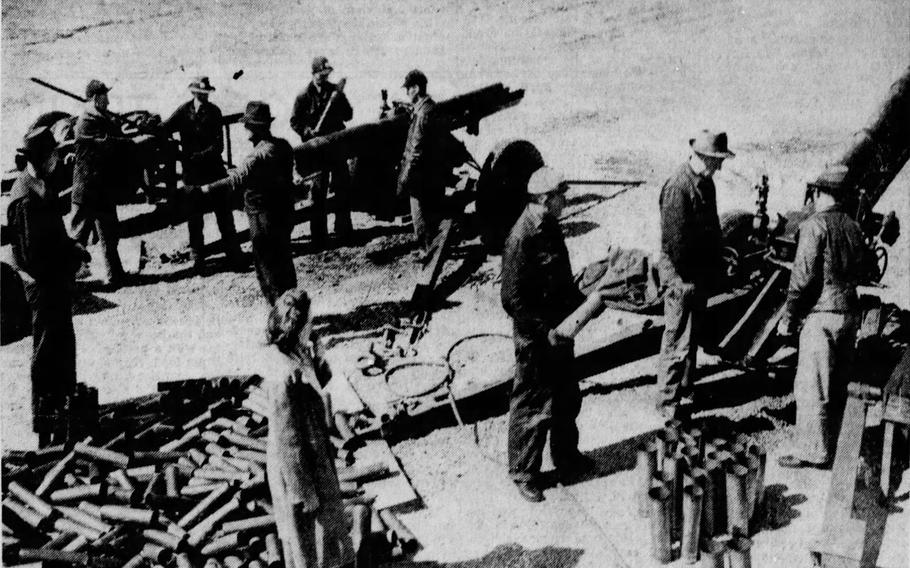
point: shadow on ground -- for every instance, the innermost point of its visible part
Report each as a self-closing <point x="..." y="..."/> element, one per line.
<point x="88" y="303"/>
<point x="511" y="556"/>
<point x="780" y="508"/>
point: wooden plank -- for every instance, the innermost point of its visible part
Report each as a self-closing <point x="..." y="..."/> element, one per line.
<point x="841" y="535"/>
<point x="394" y="491"/>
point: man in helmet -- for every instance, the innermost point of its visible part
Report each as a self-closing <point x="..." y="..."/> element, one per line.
<point x="830" y="261"/>
<point x="538" y="292"/>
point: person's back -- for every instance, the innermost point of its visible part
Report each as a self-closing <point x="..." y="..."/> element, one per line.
<point x="270" y="175"/>
<point x="842" y="262"/>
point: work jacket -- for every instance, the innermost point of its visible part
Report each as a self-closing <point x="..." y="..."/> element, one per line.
<point x="99" y="141"/>
<point x="423" y="163"/>
<point x="690" y="228"/>
<point x="830" y="261"/>
<point x="265" y="177"/>
<point x="201" y="141"/>
<point x="40" y="245"/>
<point x="538" y="291"/>
<point x="309" y="106"/>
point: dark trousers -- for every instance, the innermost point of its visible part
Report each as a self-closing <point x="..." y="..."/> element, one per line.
<point x="53" y="351"/>
<point x="338" y="177"/>
<point x="426" y="214"/>
<point x="220" y="203"/>
<point x="545" y="397"/>
<point x="99" y="217"/>
<point x="270" y="236"/>
<point x="684" y="305"/>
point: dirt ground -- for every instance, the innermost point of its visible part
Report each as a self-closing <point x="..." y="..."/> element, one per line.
<point x="614" y="89"/>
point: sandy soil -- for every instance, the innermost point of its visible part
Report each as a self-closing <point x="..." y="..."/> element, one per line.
<point x="613" y="89"/>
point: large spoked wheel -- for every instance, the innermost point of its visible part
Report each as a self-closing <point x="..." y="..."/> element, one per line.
<point x="502" y="189"/>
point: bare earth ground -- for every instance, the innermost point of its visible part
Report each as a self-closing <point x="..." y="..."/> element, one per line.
<point x="614" y="89"/>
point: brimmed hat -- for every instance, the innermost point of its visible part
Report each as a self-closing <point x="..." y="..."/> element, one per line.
<point x="321" y="63"/>
<point x="714" y="145"/>
<point x="201" y="84"/>
<point x="38" y="143"/>
<point x="834" y="180"/>
<point x="257" y="112"/>
<point x="546" y="180"/>
<point x="95" y="87"/>
<point x="415" y="77"/>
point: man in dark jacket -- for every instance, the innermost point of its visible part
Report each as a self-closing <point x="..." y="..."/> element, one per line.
<point x="266" y="179"/>
<point x="830" y="261"/>
<point x="199" y="123"/>
<point x="313" y="116"/>
<point x="538" y="292"/>
<point x="421" y="176"/>
<point x="48" y="259"/>
<point x="691" y="263"/>
<point x="99" y="142"/>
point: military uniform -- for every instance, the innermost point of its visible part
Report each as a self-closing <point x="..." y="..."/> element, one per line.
<point x="538" y="293"/>
<point x="265" y="178"/>
<point x="690" y="267"/>
<point x="46" y="254"/>
<point x="98" y="145"/>
<point x="201" y="145"/>
<point x="308" y="109"/>
<point x="830" y="261"/>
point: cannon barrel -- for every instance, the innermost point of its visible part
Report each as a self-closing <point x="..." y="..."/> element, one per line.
<point x="464" y="110"/>
<point x="882" y="147"/>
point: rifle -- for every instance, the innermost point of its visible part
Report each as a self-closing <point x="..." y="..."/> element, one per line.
<point x="339" y="89"/>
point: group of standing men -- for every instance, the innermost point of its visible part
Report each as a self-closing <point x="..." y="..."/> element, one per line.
<point x="538" y="292"/>
<point x="50" y="255"/>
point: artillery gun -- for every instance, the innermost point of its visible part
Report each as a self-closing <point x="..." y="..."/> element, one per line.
<point x="759" y="252"/>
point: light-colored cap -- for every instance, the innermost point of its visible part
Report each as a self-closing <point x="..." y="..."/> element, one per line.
<point x="546" y="180"/>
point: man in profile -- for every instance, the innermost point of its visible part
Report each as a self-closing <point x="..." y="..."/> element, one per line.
<point x="538" y="292"/>
<point x="48" y="259"/>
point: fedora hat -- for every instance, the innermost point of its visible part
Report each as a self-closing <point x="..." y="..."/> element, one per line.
<point x="714" y="145"/>
<point x="257" y="112"/>
<point x="546" y="180"/>
<point x="201" y="84"/>
<point x="414" y="78"/>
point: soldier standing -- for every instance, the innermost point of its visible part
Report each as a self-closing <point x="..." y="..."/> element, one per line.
<point x="323" y="108"/>
<point x="199" y="123"/>
<point x="830" y="261"/>
<point x="266" y="179"/>
<point x="690" y="265"/>
<point x="48" y="258"/>
<point x="98" y="141"/>
<point x="420" y="176"/>
<point x="538" y="292"/>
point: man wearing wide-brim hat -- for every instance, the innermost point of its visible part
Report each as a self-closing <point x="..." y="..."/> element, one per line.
<point x="48" y="258"/>
<point x="266" y="179"/>
<point x="831" y="260"/>
<point x="199" y="123"/>
<point x="538" y="292"/>
<point x="690" y="264"/>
